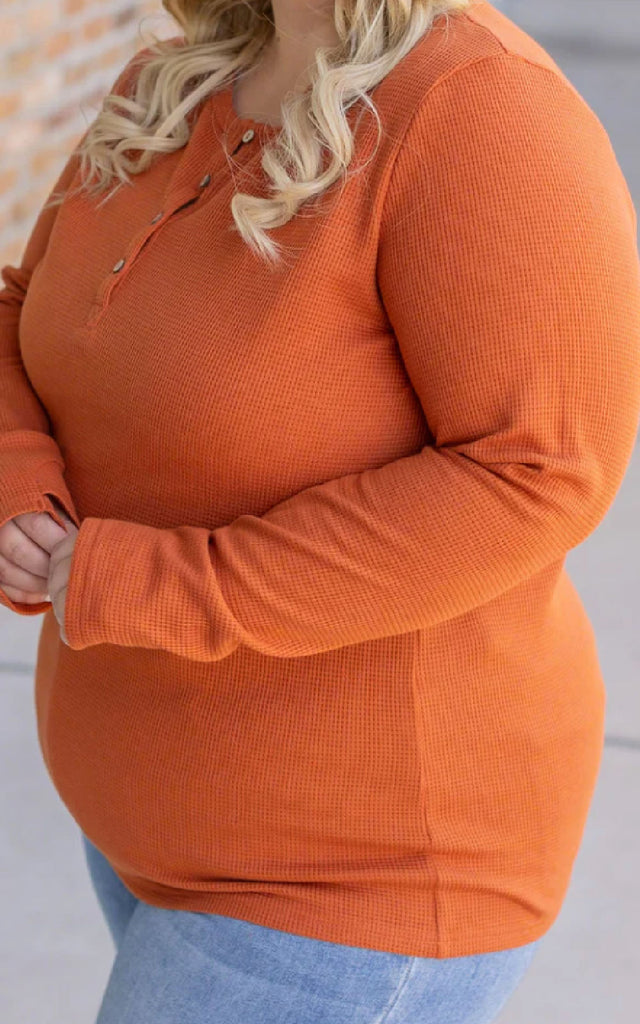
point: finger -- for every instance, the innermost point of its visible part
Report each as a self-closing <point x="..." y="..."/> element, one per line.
<point x="13" y="576"/>
<point x="23" y="596"/>
<point x="18" y="549"/>
<point x="41" y="529"/>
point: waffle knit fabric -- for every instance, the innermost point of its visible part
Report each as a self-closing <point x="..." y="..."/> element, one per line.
<point x="326" y="671"/>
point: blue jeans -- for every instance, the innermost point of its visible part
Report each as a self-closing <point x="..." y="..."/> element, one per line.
<point x="186" y="967"/>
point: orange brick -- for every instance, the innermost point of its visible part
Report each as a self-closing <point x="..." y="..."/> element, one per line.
<point x="97" y="28"/>
<point x="9" y="105"/>
<point x="39" y="37"/>
<point x="72" y="7"/>
<point x="18" y="210"/>
<point x="59" y="43"/>
<point x="79" y="73"/>
<point x="38" y="20"/>
<point x="8" y="179"/>
<point x="9" y="30"/>
<point x="21" y="62"/>
<point x="44" y="162"/>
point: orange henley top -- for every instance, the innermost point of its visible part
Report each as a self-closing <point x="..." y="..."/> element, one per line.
<point x="326" y="670"/>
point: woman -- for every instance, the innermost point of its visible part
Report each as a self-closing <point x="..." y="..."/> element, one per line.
<point x="292" y="471"/>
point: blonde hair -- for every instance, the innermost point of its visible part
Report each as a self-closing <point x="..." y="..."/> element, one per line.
<point x="222" y="40"/>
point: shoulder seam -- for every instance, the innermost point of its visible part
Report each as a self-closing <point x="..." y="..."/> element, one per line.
<point x="490" y="32"/>
<point x="455" y="71"/>
<point x="480" y="60"/>
<point x="445" y="78"/>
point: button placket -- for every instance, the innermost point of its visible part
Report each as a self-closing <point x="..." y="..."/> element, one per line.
<point x="246" y="137"/>
<point x="125" y="262"/>
<point x="139" y="241"/>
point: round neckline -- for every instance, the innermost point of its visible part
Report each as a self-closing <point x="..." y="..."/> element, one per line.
<point x="225" y="114"/>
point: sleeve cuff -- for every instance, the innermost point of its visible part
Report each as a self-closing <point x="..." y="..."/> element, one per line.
<point x="31" y="464"/>
<point x="26" y="486"/>
<point x="139" y="586"/>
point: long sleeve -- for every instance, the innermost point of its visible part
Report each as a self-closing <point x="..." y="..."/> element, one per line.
<point x="509" y="270"/>
<point x="31" y="463"/>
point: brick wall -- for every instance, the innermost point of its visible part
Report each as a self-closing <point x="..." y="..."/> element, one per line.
<point x="58" y="59"/>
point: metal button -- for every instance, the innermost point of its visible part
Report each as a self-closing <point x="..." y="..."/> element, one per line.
<point x="157" y="216"/>
<point x="248" y="135"/>
<point x="205" y="181"/>
<point x="119" y="265"/>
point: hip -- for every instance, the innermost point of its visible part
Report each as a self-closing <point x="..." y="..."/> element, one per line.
<point x="185" y="967"/>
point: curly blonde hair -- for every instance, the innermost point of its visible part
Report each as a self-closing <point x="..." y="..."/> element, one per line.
<point x="224" y="39"/>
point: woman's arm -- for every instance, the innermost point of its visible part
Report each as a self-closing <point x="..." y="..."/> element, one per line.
<point x="31" y="463"/>
<point x="509" y="269"/>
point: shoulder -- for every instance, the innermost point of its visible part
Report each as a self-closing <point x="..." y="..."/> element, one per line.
<point x="476" y="65"/>
<point x="499" y="117"/>
<point x="128" y="73"/>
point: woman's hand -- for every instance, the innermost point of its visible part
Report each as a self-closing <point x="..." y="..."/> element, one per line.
<point x="25" y="545"/>
<point x="59" y="566"/>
